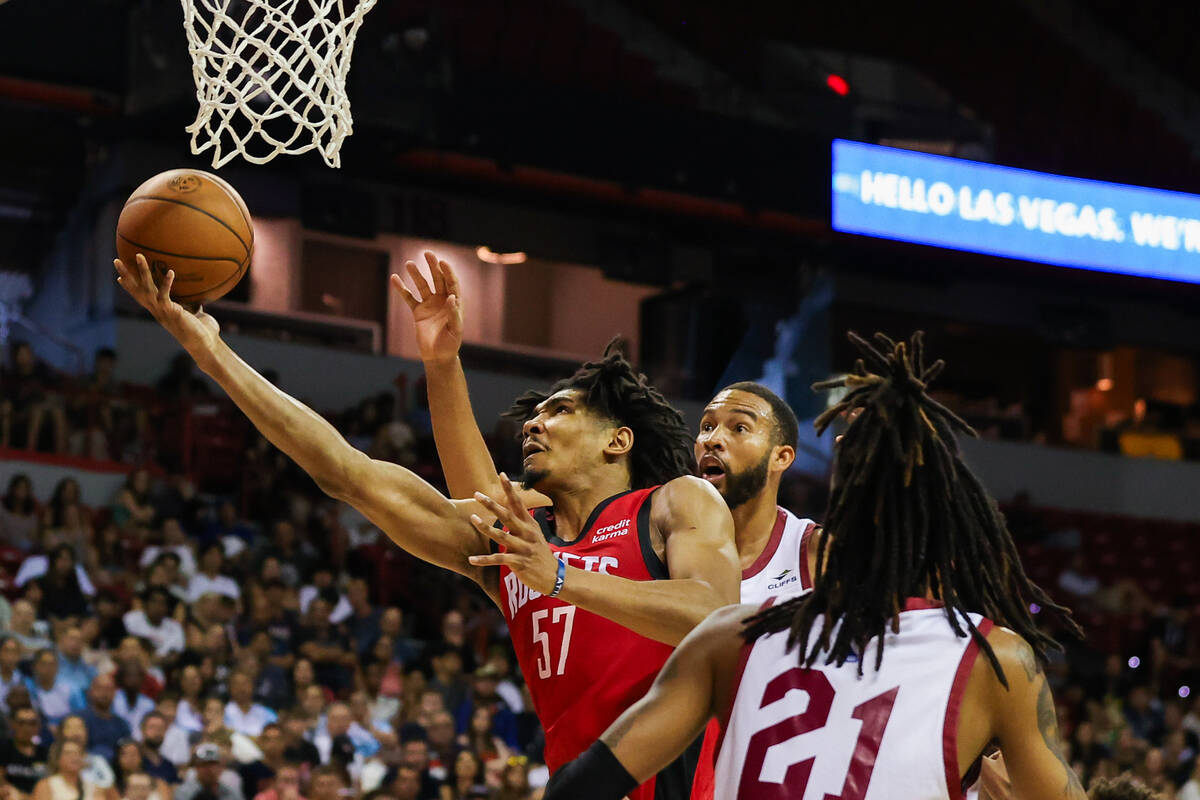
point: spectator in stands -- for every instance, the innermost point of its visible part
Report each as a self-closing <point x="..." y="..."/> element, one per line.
<point x="108" y="557"/>
<point x="406" y="649"/>
<point x="364" y="724"/>
<point x="207" y="784"/>
<point x="466" y="778"/>
<point x="363" y="622"/>
<point x="96" y="768"/>
<point x="257" y="775"/>
<point x="381" y="707"/>
<point x="327" y="647"/>
<point x="104" y="728"/>
<point x="140" y="786"/>
<point x="18" y="515"/>
<point x="481" y="737"/>
<point x="209" y="577"/>
<point x="26" y="629"/>
<point x="132" y="505"/>
<point x="242" y="714"/>
<point x="98" y="410"/>
<point x="295" y="556"/>
<point x="110" y="628"/>
<point x="1172" y="643"/>
<point x="178" y="500"/>
<point x="22" y="759"/>
<point x="52" y="696"/>
<point x="327" y="784"/>
<point x="284" y="786"/>
<point x="321" y="584"/>
<point x="448" y="680"/>
<point x="233" y="533"/>
<point x="338" y="746"/>
<point x="154" y="732"/>
<point x="407" y="785"/>
<point x="1143" y="714"/>
<point x="129" y="703"/>
<point x="67" y="779"/>
<point x="297" y="748"/>
<point x="71" y="666"/>
<point x="151" y="622"/>
<point x="502" y="721"/>
<point x="10" y="672"/>
<point x="414" y="754"/>
<point x="174" y="540"/>
<point x="128" y="761"/>
<point x="29" y="396"/>
<point x="514" y="780"/>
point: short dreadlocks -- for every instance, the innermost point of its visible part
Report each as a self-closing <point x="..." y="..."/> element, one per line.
<point x="906" y="518"/>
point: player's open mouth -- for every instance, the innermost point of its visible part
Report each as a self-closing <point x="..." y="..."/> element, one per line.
<point x="531" y="448"/>
<point x="711" y="469"/>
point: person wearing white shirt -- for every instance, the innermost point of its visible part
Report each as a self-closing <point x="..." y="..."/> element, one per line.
<point x="151" y="622"/>
<point x="130" y="704"/>
<point x="174" y="541"/>
<point x="209" y="579"/>
<point x="322" y="582"/>
<point x="242" y="714"/>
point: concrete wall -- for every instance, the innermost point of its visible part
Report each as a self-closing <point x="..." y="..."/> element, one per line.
<point x="1087" y="480"/>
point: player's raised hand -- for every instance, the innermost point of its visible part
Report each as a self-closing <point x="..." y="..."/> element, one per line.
<point x="195" y="330"/>
<point x="437" y="310"/>
<point x="526" y="552"/>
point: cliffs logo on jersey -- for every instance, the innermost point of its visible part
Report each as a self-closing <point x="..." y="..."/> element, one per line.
<point x="783" y="579"/>
<point x="519" y="594"/>
<point x="612" y="531"/>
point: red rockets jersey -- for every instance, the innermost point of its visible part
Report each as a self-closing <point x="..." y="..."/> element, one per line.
<point x="582" y="669"/>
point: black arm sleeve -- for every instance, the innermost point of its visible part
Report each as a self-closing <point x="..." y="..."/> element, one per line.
<point x="595" y="775"/>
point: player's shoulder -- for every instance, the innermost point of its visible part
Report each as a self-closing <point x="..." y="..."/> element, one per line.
<point x="1014" y="655"/>
<point x="686" y="489"/>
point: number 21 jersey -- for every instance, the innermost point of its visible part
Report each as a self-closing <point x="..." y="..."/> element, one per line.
<point x="584" y="670"/>
<point x="808" y="734"/>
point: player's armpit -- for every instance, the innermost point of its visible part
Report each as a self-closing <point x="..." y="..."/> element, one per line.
<point x="1026" y="725"/>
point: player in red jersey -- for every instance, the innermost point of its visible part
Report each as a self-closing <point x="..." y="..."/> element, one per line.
<point x="601" y="443"/>
<point x="745" y="444"/>
<point x="886" y="696"/>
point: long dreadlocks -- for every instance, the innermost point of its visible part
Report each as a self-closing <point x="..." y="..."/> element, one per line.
<point x="614" y="390"/>
<point x="906" y="518"/>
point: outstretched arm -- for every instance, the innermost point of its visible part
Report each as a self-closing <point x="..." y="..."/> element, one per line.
<point x="409" y="510"/>
<point x="701" y="558"/>
<point x="692" y="687"/>
<point x="438" y="320"/>
<point x="1026" y="725"/>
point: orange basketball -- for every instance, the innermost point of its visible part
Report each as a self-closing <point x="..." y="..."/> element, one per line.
<point x="192" y="222"/>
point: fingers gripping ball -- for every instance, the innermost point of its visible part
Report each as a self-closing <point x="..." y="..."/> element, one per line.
<point x="194" y="223"/>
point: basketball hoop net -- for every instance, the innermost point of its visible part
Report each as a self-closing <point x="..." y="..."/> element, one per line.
<point x="15" y="289"/>
<point x="271" y="76"/>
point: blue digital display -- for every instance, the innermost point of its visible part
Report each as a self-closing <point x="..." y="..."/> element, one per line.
<point x="984" y="208"/>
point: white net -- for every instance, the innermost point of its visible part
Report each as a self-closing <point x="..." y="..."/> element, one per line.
<point x="271" y="76"/>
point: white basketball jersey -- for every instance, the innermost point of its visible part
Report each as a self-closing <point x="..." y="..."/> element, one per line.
<point x="782" y="567"/>
<point x="808" y="734"/>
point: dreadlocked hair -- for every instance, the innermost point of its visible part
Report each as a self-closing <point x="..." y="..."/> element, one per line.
<point x="613" y="389"/>
<point x="906" y="517"/>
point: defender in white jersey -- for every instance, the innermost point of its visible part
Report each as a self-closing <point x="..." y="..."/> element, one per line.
<point x="914" y="653"/>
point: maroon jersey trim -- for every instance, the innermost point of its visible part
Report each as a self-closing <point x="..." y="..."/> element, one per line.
<point x="954" y="778"/>
<point x="806" y="581"/>
<point x="768" y="552"/>
<point x="737" y="685"/>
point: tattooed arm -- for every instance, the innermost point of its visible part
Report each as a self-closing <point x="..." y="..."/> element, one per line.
<point x="1026" y="726"/>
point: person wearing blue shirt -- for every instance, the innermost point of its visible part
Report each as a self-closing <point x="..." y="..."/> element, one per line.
<point x="54" y="697"/>
<point x="104" y="728"/>
<point x="71" y="667"/>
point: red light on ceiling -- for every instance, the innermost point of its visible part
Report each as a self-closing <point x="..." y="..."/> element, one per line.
<point x="837" y="83"/>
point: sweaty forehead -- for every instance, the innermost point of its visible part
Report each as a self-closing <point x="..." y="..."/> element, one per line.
<point x="730" y="401"/>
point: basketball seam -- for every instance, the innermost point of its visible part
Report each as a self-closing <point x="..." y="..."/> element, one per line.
<point x="197" y="209"/>
<point x="234" y="276"/>
<point x="228" y="187"/>
<point x="181" y="255"/>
